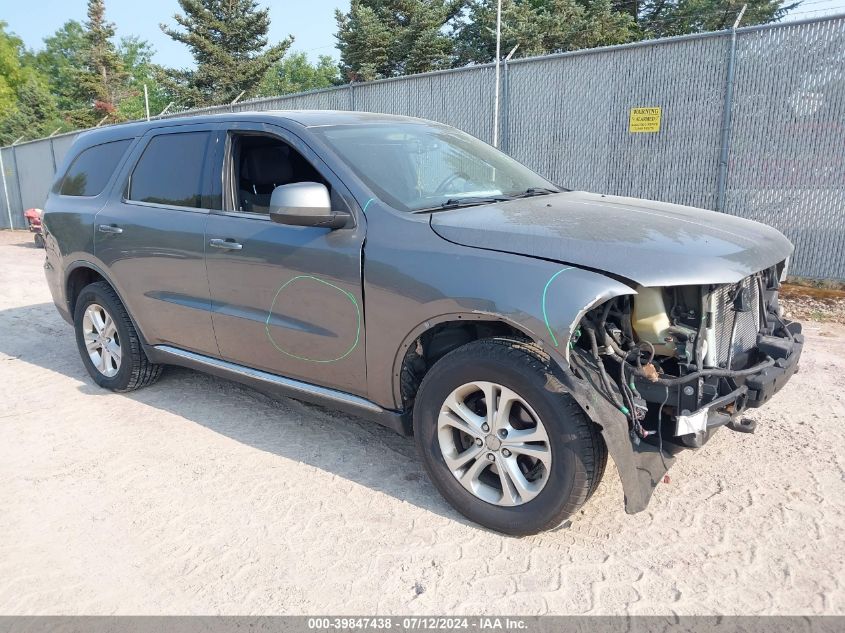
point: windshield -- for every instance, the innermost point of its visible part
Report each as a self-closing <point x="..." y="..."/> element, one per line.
<point x="421" y="166"/>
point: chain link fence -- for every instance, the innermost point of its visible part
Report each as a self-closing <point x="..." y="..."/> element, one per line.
<point x="781" y="127"/>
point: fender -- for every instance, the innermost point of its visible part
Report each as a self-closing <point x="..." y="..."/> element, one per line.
<point x="433" y="281"/>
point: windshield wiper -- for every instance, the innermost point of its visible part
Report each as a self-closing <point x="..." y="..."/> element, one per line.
<point x="535" y="191"/>
<point x="469" y="201"/>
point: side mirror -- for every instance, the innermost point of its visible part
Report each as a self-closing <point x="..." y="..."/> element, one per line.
<point x="305" y="204"/>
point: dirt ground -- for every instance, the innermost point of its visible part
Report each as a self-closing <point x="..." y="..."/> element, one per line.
<point x="198" y="496"/>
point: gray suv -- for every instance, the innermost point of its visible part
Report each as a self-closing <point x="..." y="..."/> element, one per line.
<point x="401" y="270"/>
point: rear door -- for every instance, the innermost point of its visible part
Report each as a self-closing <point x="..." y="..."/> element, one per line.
<point x="152" y="236"/>
<point x="287" y="299"/>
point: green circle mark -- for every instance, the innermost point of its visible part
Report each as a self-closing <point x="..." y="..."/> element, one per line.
<point x="545" y="292"/>
<point x="348" y="295"/>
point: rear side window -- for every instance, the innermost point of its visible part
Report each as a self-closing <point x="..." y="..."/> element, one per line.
<point x="170" y="172"/>
<point x="91" y="170"/>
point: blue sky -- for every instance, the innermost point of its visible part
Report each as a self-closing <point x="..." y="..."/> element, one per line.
<point x="311" y="22"/>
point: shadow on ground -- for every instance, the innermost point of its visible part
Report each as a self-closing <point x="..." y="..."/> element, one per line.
<point x="372" y="456"/>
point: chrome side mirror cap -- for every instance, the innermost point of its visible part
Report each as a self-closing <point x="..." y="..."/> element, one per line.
<point x="306" y="204"/>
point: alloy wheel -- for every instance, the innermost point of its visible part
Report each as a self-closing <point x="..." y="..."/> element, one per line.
<point x="102" y="340"/>
<point x="494" y="443"/>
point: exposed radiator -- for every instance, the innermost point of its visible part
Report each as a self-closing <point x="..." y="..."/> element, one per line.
<point x="747" y="323"/>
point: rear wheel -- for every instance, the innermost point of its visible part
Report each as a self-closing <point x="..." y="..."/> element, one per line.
<point x="108" y="342"/>
<point x="502" y="440"/>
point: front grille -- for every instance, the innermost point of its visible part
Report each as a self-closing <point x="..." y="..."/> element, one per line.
<point x="747" y="323"/>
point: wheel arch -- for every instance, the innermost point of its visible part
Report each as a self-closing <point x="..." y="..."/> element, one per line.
<point x="437" y="336"/>
<point x="81" y="273"/>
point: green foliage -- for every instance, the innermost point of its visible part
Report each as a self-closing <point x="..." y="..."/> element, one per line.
<point x="62" y="60"/>
<point x="27" y="109"/>
<point x="137" y="55"/>
<point x="12" y="72"/>
<point x="228" y="39"/>
<point x="102" y="81"/>
<point x="663" y="18"/>
<point x="540" y="27"/>
<point x="296" y="74"/>
<point x="388" y="38"/>
<point x="36" y="114"/>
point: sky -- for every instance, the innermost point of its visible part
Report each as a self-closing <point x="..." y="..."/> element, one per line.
<point x="311" y="22"/>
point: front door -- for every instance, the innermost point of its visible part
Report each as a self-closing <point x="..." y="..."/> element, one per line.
<point x="285" y="299"/>
<point x="152" y="236"/>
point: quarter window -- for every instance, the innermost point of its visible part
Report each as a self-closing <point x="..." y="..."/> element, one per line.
<point x="170" y="172"/>
<point x="89" y="172"/>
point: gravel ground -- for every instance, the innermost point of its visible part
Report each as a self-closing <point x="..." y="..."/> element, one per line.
<point x="803" y="303"/>
<point x="203" y="497"/>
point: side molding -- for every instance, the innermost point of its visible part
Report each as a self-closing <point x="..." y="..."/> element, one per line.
<point x="280" y="385"/>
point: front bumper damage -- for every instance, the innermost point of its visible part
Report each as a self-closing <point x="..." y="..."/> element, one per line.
<point x="642" y="463"/>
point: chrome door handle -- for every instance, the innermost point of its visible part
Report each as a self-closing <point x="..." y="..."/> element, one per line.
<point x="229" y="245"/>
<point x="109" y="228"/>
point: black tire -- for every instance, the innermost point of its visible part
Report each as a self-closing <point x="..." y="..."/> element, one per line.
<point x="135" y="369"/>
<point x="578" y="451"/>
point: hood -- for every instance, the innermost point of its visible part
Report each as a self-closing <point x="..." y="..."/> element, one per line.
<point x="650" y="243"/>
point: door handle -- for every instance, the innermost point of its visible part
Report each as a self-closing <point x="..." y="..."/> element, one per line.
<point x="109" y="228"/>
<point x="228" y="244"/>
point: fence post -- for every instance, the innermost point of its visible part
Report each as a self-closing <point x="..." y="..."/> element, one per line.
<point x="352" y="96"/>
<point x="53" y="156"/>
<point x="725" y="145"/>
<point x="18" y="178"/>
<point x="505" y="136"/>
<point x="6" y="191"/>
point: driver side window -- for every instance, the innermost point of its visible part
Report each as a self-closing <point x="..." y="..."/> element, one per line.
<point x="260" y="163"/>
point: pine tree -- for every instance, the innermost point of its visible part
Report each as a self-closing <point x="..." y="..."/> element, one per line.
<point x="541" y="27"/>
<point x="663" y="18"/>
<point x="228" y="39"/>
<point x="102" y="82"/>
<point x="388" y="38"/>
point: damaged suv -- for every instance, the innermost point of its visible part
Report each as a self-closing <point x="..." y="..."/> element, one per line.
<point x="404" y="271"/>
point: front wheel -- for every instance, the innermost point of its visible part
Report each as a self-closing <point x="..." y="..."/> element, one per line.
<point x="502" y="440"/>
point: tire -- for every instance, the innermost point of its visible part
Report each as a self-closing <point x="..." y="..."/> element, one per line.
<point x="134" y="370"/>
<point x="577" y="451"/>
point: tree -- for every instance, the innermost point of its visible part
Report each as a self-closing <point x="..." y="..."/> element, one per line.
<point x="663" y="18"/>
<point x="228" y="39"/>
<point x="35" y="113"/>
<point x="26" y="106"/>
<point x="12" y="73"/>
<point x="388" y="38"/>
<point x="103" y="79"/>
<point x="62" y="59"/>
<point x="541" y="27"/>
<point x="137" y="58"/>
<point x="296" y="74"/>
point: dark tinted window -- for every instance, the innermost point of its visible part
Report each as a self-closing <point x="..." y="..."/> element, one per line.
<point x="91" y="170"/>
<point x="170" y="171"/>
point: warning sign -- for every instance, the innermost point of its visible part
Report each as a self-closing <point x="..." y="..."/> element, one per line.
<point x="644" y="120"/>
